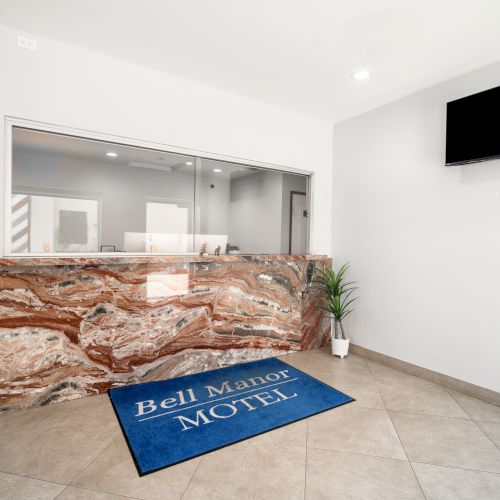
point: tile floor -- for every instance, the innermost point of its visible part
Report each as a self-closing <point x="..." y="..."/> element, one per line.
<point x="404" y="438"/>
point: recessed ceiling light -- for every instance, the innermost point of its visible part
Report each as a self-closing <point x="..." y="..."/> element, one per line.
<point x="112" y="154"/>
<point x="189" y="163"/>
<point x="361" y="74"/>
<point x="217" y="170"/>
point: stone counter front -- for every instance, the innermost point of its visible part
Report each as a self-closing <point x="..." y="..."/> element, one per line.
<point x="75" y="327"/>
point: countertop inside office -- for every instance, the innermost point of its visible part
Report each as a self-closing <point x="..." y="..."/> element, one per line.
<point x="134" y="259"/>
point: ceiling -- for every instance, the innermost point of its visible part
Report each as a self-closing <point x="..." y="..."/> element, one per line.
<point x="295" y="54"/>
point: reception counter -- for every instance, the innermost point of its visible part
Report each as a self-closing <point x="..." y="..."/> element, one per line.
<point x="72" y="327"/>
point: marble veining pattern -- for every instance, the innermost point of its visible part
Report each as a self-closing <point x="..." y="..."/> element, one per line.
<point x="75" y="327"/>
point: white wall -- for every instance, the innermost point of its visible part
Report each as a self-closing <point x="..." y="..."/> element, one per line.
<point x="423" y="239"/>
<point x="64" y="85"/>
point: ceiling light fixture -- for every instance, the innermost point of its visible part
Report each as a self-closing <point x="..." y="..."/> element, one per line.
<point x="189" y="163"/>
<point x="361" y="74"/>
<point x="217" y="170"/>
<point x="110" y="153"/>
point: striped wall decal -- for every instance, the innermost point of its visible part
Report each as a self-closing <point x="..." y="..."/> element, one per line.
<point x="20" y="223"/>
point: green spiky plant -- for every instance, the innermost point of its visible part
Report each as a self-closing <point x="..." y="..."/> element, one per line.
<point x="335" y="295"/>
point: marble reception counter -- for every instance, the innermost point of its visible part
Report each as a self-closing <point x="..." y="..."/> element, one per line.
<point x="72" y="327"/>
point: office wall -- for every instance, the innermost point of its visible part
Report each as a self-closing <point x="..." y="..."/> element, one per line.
<point x="423" y="239"/>
<point x="64" y="85"/>
<point x="255" y="212"/>
<point x="121" y="190"/>
<point x="214" y="205"/>
<point x="259" y="215"/>
<point x="290" y="183"/>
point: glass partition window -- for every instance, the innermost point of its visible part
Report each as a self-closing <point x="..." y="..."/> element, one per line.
<point x="73" y="195"/>
<point x="248" y="210"/>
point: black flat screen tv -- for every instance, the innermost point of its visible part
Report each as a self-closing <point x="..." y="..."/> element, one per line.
<point x="473" y="128"/>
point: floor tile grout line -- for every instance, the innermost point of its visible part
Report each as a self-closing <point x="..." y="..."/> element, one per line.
<point x="95" y="491"/>
<point x="78" y="474"/>
<point x="455" y="467"/>
<point x="458" y="418"/>
<point x="399" y="439"/>
<point x="450" y="393"/>
<point x="475" y="422"/>
<point x="411" y="465"/>
<point x="192" y="476"/>
<point x="357" y="453"/>
<point x="439" y="416"/>
<point x="497" y="422"/>
<point x="377" y="387"/>
<point x="478" y="422"/>
<point x="364" y="360"/>
<point x="60" y="493"/>
<point x="433" y="383"/>
<point x="377" y="384"/>
<point x="402" y="460"/>
<point x="433" y="415"/>
<point x="367" y="366"/>
<point x="409" y="376"/>
<point x="26" y="476"/>
<point x="424" y="379"/>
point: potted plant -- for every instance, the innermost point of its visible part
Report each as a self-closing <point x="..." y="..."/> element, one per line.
<point x="336" y="299"/>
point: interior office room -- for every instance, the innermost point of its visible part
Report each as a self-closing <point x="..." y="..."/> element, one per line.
<point x="249" y="250"/>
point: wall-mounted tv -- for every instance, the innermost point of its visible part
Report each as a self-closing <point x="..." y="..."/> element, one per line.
<point x="473" y="128"/>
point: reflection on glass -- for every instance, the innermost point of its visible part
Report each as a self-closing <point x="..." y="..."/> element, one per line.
<point x="54" y="224"/>
<point x="75" y="195"/>
<point x="252" y="211"/>
<point x="161" y="285"/>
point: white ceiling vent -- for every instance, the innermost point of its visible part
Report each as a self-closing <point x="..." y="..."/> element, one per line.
<point x="152" y="166"/>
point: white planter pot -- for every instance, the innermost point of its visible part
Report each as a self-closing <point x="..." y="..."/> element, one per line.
<point x="340" y="347"/>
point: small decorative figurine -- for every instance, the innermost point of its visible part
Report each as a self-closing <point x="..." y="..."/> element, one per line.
<point x="203" y="250"/>
<point x="217" y="251"/>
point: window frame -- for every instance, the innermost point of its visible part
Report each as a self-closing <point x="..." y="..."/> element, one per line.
<point x="11" y="122"/>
